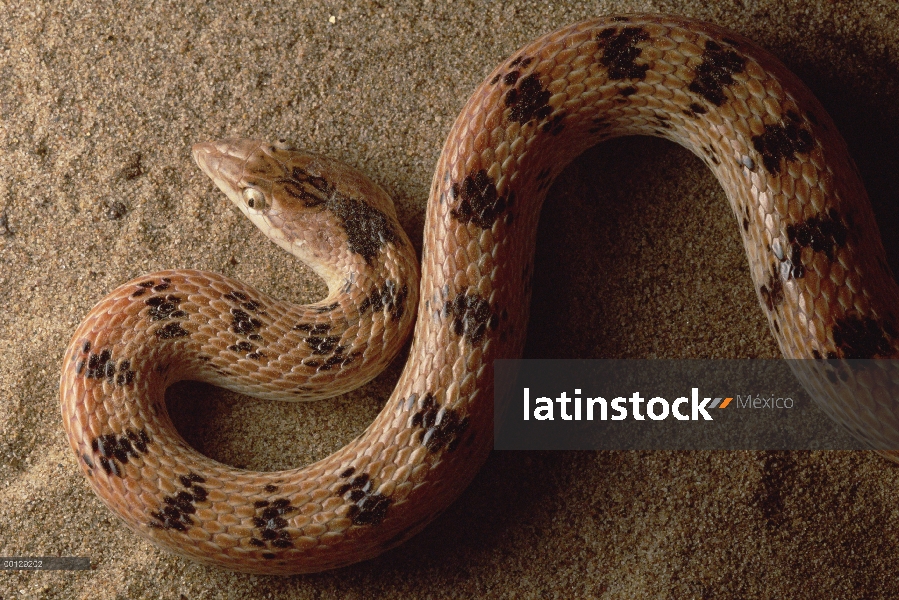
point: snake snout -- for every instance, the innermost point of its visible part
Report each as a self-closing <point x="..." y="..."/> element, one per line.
<point x="225" y="161"/>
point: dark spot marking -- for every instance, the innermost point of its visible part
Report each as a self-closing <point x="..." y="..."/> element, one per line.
<point x="821" y="233"/>
<point x="171" y="331"/>
<point x="443" y="426"/>
<point x="745" y="224"/>
<point x="697" y="109"/>
<point x="471" y="316"/>
<point x="163" y="308"/>
<point x="715" y="72"/>
<point x="366" y="227"/>
<point x="314" y="329"/>
<point x="369" y="508"/>
<point x="495" y="79"/>
<point x="388" y="298"/>
<point x="271" y="523"/>
<point x="372" y="509"/>
<point x="782" y="142"/>
<point x="348" y="472"/>
<point x="511" y="78"/>
<point x="270" y="488"/>
<point x="628" y="91"/>
<point x="862" y="337"/>
<point x="242" y="323"/>
<point x="326" y="308"/>
<point x="480" y="204"/>
<point x="96" y="365"/>
<point x="620" y="52"/>
<point x="322" y="345"/>
<point x="358" y="483"/>
<point x="115" y="451"/>
<point x="528" y="101"/>
<point x="126" y="375"/>
<point x="101" y="365"/>
<point x="242" y="347"/>
<point x="190" y="478"/>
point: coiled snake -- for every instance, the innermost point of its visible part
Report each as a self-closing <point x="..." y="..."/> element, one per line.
<point x="813" y="246"/>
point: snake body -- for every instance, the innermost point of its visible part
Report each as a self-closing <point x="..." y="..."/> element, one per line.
<point x="814" y="253"/>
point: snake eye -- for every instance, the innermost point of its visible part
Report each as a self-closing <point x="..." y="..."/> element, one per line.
<point x="254" y="198"/>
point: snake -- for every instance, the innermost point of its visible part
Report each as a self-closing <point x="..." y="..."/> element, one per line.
<point x="813" y="247"/>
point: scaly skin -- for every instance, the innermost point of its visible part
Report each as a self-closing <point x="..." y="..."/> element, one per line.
<point x="814" y="253"/>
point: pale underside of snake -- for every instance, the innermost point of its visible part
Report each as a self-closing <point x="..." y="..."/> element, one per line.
<point x="814" y="253"/>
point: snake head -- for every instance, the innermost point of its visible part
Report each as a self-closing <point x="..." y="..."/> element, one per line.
<point x="312" y="206"/>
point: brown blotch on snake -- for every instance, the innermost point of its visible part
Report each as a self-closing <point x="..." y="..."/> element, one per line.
<point x="471" y="316"/>
<point x="178" y="507"/>
<point x="271" y="524"/>
<point x="528" y="101"/>
<point x="620" y="52"/>
<point x="443" y="427"/>
<point x="479" y="202"/>
<point x="782" y="142"/>
<point x="162" y="308"/>
<point x="171" y="331"/>
<point x="114" y="451"/>
<point x="716" y="72"/>
<point x="242" y="323"/>
<point x="390" y="297"/>
<point x="822" y="233"/>
<point x="368" y="506"/>
<point x="367" y="228"/>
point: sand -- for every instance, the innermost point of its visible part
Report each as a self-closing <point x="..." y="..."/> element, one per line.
<point x="639" y="257"/>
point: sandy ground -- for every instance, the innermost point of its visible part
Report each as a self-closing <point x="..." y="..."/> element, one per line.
<point x="639" y="257"/>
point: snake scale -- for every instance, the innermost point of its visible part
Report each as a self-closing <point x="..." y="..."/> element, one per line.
<point x="814" y="253"/>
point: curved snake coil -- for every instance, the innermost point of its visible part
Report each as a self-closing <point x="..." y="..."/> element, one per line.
<point x="814" y="252"/>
